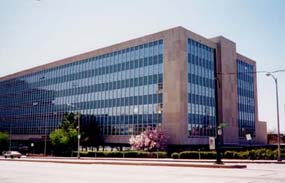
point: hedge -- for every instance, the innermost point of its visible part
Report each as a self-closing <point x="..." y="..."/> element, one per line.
<point x="175" y="155"/>
<point x="197" y="155"/>
<point x="256" y="154"/>
<point x="121" y="154"/>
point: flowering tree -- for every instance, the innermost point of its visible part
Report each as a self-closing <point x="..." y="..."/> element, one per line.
<point x="150" y="140"/>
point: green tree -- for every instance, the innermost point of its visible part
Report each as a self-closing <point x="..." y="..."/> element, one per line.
<point x="64" y="138"/>
<point x="91" y="135"/>
<point x="4" y="138"/>
<point x="69" y="121"/>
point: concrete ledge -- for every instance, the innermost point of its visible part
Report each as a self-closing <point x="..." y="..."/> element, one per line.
<point x="126" y="162"/>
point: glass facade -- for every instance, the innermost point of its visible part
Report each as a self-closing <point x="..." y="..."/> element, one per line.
<point x="201" y="89"/>
<point x="246" y="101"/>
<point x="121" y="91"/>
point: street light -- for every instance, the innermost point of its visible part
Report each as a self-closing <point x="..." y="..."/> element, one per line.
<point x="218" y="151"/>
<point x="220" y="125"/>
<point x="278" y="123"/>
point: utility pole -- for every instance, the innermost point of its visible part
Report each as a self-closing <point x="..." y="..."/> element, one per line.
<point x="278" y="122"/>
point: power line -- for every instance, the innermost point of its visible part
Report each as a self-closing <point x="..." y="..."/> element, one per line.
<point x="254" y="72"/>
<point x="282" y="70"/>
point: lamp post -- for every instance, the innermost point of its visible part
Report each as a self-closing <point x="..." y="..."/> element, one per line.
<point x="32" y="146"/>
<point x="219" y="128"/>
<point x="218" y="151"/>
<point x="278" y="122"/>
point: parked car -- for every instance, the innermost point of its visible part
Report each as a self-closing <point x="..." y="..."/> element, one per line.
<point x="12" y="154"/>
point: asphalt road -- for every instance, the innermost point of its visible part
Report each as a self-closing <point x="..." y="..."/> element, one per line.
<point x="34" y="172"/>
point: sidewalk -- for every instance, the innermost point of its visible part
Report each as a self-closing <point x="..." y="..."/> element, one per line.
<point x="129" y="161"/>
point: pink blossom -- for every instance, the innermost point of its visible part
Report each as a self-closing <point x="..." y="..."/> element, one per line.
<point x="149" y="140"/>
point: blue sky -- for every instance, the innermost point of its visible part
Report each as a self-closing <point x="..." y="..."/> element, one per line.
<point x="36" y="32"/>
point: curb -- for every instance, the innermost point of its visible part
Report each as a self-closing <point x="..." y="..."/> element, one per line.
<point x="134" y="163"/>
<point x="190" y="161"/>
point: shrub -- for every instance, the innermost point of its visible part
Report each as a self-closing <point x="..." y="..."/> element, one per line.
<point x="120" y="154"/>
<point x="188" y="155"/>
<point x="236" y="155"/>
<point x="82" y="154"/>
<point x="208" y="155"/>
<point x="153" y="155"/>
<point x="255" y="154"/>
<point x="263" y="154"/>
<point x="114" y="154"/>
<point x="130" y="154"/>
<point x="197" y="155"/>
<point x="160" y="154"/>
<point x="91" y="154"/>
<point x="243" y="155"/>
<point x="96" y="154"/>
<point x="228" y="154"/>
<point x="175" y="155"/>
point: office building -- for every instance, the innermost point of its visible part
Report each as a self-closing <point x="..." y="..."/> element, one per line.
<point x="176" y="79"/>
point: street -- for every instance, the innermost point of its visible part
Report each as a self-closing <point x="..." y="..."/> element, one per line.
<point x="35" y="172"/>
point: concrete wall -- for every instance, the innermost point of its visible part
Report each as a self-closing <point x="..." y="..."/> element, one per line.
<point x="261" y="133"/>
<point x="227" y="89"/>
<point x="175" y="96"/>
<point x="175" y="85"/>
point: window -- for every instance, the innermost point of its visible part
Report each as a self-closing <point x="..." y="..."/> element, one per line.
<point x="246" y="105"/>
<point x="200" y="69"/>
<point x="101" y="86"/>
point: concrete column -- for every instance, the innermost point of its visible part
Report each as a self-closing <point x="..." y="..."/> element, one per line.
<point x="227" y="88"/>
<point x="175" y="85"/>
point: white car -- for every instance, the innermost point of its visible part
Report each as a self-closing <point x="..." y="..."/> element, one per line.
<point x="12" y="154"/>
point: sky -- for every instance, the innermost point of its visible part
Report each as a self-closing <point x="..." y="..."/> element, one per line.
<point x="36" y="32"/>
